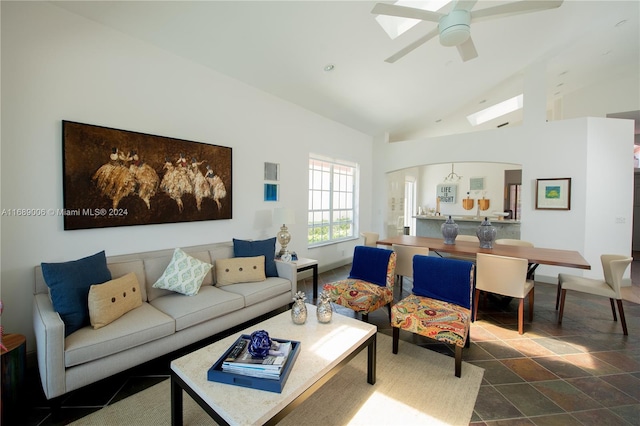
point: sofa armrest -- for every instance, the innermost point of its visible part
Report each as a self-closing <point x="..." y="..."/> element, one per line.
<point x="49" y="333"/>
<point x="289" y="271"/>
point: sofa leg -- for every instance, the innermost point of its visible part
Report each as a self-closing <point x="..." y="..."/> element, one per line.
<point x="458" y="361"/>
<point x="396" y="337"/>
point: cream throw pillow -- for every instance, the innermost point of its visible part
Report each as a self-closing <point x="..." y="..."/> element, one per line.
<point x="239" y="270"/>
<point x="184" y="274"/>
<point x="110" y="300"/>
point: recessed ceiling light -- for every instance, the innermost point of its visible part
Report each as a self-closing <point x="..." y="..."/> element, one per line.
<point x="621" y="23"/>
<point x="607" y="52"/>
<point x="329" y="67"/>
<point x="557" y="93"/>
<point x="559" y="84"/>
<point x="563" y="73"/>
<point x="439" y="120"/>
<point x="482" y="101"/>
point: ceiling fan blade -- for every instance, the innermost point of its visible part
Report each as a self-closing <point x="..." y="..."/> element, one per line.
<point x="412" y="46"/>
<point x="405" y="12"/>
<point x="467" y="50"/>
<point x="465" y="5"/>
<point x="514" y="8"/>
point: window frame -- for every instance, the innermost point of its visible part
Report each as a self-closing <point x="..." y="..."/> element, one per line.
<point x="320" y="169"/>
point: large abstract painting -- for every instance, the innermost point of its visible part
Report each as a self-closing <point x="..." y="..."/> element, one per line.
<point x="120" y="178"/>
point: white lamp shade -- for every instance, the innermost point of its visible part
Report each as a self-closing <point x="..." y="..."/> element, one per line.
<point x="284" y="216"/>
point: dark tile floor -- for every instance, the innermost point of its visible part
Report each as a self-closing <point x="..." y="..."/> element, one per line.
<point x="584" y="372"/>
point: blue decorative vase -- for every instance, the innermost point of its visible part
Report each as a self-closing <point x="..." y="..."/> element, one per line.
<point x="486" y="234"/>
<point x="259" y="344"/>
<point x="449" y="231"/>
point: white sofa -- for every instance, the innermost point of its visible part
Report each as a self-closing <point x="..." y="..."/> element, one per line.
<point x="165" y="322"/>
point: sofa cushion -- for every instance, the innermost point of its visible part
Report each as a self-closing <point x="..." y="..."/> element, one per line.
<point x="137" y="327"/>
<point x="111" y="300"/>
<point x="210" y="302"/>
<point x="154" y="267"/>
<point x="69" y="284"/>
<point x="239" y="270"/>
<point x="184" y="274"/>
<point x="266" y="248"/>
<point x="259" y="291"/>
<point x="122" y="268"/>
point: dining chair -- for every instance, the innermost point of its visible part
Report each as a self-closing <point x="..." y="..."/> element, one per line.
<point x="370" y="238"/>
<point x="513" y="242"/>
<point x="468" y="238"/>
<point x="440" y="304"/>
<point x="369" y="285"/>
<point x="506" y="276"/>
<point x="613" y="266"/>
<point x="522" y="243"/>
<point x="404" y="261"/>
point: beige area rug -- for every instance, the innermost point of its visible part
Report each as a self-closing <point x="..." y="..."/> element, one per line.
<point x="415" y="387"/>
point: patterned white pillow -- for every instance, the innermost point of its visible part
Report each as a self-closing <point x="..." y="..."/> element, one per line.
<point x="184" y="274"/>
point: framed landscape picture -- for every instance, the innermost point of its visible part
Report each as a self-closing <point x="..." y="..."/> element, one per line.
<point x="117" y="177"/>
<point x="553" y="194"/>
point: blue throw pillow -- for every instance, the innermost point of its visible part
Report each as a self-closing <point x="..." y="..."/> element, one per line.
<point x="443" y="279"/>
<point x="370" y="264"/>
<point x="69" y="284"/>
<point x="266" y="248"/>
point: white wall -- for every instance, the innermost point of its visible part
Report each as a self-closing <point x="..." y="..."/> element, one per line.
<point x="591" y="151"/>
<point x="57" y="66"/>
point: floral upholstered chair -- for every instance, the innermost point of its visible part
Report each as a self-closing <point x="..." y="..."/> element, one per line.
<point x="370" y="282"/>
<point x="440" y="306"/>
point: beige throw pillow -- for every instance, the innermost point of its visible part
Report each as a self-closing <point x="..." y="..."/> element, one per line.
<point x="110" y="300"/>
<point x="239" y="270"/>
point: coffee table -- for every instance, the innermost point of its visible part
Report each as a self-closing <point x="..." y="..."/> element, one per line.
<point x="324" y="350"/>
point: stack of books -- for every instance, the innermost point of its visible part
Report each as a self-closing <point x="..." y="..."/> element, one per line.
<point x="240" y="361"/>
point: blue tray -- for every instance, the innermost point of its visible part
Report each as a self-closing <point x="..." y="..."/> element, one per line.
<point x="215" y="373"/>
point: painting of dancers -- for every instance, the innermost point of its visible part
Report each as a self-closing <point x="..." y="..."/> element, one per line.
<point x="121" y="178"/>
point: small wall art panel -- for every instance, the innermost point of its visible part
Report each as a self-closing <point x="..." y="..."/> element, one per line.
<point x="120" y="178"/>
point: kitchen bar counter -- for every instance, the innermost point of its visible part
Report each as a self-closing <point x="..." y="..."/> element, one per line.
<point x="429" y="226"/>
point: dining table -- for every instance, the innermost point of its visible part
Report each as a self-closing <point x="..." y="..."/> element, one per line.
<point x="535" y="255"/>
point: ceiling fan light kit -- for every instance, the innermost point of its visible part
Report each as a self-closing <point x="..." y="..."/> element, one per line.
<point x="455" y="28"/>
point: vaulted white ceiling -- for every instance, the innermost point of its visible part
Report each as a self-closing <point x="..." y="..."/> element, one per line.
<point x="283" y="47"/>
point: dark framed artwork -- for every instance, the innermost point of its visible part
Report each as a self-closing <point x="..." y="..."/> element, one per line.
<point x="553" y="194"/>
<point x="120" y="178"/>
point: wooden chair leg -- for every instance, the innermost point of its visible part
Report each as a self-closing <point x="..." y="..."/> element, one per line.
<point x="396" y="337"/>
<point x="613" y="309"/>
<point x="475" y="304"/>
<point x="521" y="316"/>
<point x="389" y="310"/>
<point x="458" y="360"/>
<point x="531" y="299"/>
<point x="622" y="319"/>
<point x="558" y="294"/>
<point x="564" y="294"/>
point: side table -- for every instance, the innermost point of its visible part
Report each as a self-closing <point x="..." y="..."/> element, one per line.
<point x="13" y="362"/>
<point x="304" y="264"/>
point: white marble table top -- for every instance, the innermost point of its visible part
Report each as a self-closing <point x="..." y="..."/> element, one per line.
<point x="322" y="347"/>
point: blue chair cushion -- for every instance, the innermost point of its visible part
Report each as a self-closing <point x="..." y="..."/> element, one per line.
<point x="370" y="264"/>
<point x="69" y="284"/>
<point x="443" y="279"/>
<point x="266" y="248"/>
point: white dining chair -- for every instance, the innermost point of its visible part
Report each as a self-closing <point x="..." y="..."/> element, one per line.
<point x="404" y="261"/>
<point x="506" y="276"/>
<point x="513" y="242"/>
<point x="613" y="266"/>
<point x="370" y="238"/>
<point x="467" y="238"/>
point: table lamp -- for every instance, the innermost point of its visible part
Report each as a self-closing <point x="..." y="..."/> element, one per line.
<point x="284" y="216"/>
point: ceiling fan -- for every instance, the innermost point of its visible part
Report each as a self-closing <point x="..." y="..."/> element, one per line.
<point x="454" y="28"/>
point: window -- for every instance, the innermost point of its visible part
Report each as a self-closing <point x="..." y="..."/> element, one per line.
<point x="332" y="195"/>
